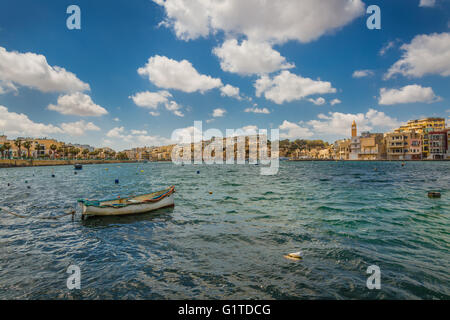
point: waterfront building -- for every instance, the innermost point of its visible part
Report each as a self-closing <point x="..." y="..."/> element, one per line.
<point x="355" y="143"/>
<point x="438" y="144"/>
<point x="448" y="143"/>
<point x="372" y="146"/>
<point x="423" y="127"/>
<point x="343" y="149"/>
<point x="404" y="146"/>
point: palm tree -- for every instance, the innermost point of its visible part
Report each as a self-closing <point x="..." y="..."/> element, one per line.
<point x="85" y="152"/>
<point x="7" y="147"/>
<point x="27" y="145"/>
<point x="18" y="143"/>
<point x="53" y="147"/>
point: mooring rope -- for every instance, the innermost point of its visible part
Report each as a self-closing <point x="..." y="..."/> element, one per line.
<point x="72" y="212"/>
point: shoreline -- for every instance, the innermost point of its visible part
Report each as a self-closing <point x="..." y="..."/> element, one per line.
<point x="17" y="163"/>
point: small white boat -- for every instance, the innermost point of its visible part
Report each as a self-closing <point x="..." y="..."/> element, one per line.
<point x="130" y="205"/>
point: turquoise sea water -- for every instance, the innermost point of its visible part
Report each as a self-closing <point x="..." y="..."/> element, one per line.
<point x="343" y="216"/>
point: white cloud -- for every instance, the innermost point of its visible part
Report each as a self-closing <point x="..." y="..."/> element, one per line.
<point x="186" y="135"/>
<point x="32" y="70"/>
<point x="139" y="132"/>
<point x="250" y="57"/>
<point x="362" y="73"/>
<point x="257" y="110"/>
<point x="318" y="102"/>
<point x="151" y="100"/>
<point x="78" y="104"/>
<point x="426" y="54"/>
<point x="387" y="47"/>
<point x="120" y="139"/>
<point x="116" y="119"/>
<point x="335" y="101"/>
<point x="19" y="124"/>
<point x="275" y="21"/>
<point x="408" y="94"/>
<point x="219" y="112"/>
<point x="174" y="107"/>
<point x="16" y="124"/>
<point x="7" y="86"/>
<point x="78" y="128"/>
<point x="287" y="87"/>
<point x="230" y="91"/>
<point x="338" y="125"/>
<point x="291" y="130"/>
<point x="180" y="75"/>
<point x="427" y="3"/>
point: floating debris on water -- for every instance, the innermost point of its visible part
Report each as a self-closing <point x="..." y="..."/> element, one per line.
<point x="433" y="194"/>
<point x="116" y="181"/>
<point x="294" y="256"/>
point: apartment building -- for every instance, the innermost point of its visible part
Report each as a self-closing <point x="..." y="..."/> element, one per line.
<point x="438" y="144"/>
<point x="404" y="145"/>
<point x="372" y="147"/>
<point x="423" y="127"/>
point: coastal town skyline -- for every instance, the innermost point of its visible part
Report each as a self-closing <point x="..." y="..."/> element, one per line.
<point x="419" y="139"/>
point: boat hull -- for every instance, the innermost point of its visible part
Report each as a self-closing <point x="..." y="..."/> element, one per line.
<point x="130" y="209"/>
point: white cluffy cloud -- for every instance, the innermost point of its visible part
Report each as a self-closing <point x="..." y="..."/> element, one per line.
<point x="250" y="57"/>
<point x="335" y="101"/>
<point x="427" y="3"/>
<point x="118" y="138"/>
<point x="18" y="124"/>
<point x="153" y="100"/>
<point x="287" y="87"/>
<point x="179" y="75"/>
<point x="230" y="91"/>
<point x="78" y="128"/>
<point x="303" y="21"/>
<point x="318" y="102"/>
<point x="78" y="104"/>
<point x="426" y="54"/>
<point x="257" y="110"/>
<point x="290" y="130"/>
<point x="337" y="124"/>
<point x="219" y="112"/>
<point x="32" y="70"/>
<point x="362" y="73"/>
<point x="408" y="94"/>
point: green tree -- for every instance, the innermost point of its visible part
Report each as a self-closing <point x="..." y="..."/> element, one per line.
<point x="27" y="145"/>
<point x="53" y="147"/>
<point x="7" y="147"/>
<point x="18" y="143"/>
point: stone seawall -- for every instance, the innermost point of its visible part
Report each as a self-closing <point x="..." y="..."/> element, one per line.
<point x="37" y="163"/>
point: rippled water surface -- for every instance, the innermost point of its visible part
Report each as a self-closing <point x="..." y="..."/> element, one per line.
<point x="343" y="216"/>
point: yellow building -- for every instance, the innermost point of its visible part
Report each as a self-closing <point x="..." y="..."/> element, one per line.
<point x="404" y="146"/>
<point x="372" y="147"/>
<point x="343" y="149"/>
<point x="423" y="127"/>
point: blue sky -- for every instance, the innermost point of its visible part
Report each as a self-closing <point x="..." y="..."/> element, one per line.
<point x="290" y="60"/>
